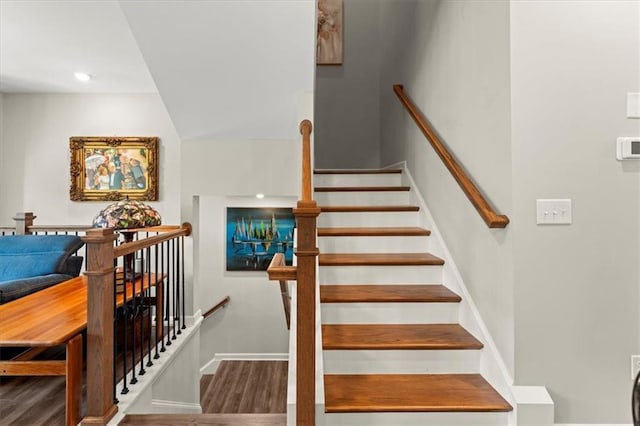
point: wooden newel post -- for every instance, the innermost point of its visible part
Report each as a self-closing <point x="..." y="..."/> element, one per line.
<point x="306" y="252"/>
<point x="23" y="221"/>
<point x="100" y="301"/>
<point x="306" y="214"/>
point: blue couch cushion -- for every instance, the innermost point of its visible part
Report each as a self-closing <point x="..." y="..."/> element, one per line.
<point x="27" y="256"/>
<point x="15" y="289"/>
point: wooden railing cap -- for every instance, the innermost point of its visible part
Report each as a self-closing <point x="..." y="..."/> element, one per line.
<point x="306" y="127"/>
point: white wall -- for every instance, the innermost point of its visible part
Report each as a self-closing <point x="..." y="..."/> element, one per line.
<point x="228" y="69"/>
<point x="253" y="322"/>
<point x="577" y="287"/>
<point x="453" y="59"/>
<point x="34" y="172"/>
<point x="220" y="174"/>
<point x="2" y="153"/>
<point x="347" y="118"/>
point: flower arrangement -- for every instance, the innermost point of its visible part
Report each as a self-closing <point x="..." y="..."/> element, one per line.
<point x="127" y="214"/>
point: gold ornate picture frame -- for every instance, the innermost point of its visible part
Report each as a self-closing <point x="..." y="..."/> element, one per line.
<point x="113" y="168"/>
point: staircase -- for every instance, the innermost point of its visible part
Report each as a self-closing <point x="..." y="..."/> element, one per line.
<point x="394" y="352"/>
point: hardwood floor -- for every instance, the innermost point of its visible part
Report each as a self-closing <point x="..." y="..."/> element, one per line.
<point x="246" y="387"/>
<point x="238" y="387"/>
<point x="34" y="400"/>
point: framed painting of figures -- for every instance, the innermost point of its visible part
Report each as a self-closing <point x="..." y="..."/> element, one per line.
<point x="113" y="168"/>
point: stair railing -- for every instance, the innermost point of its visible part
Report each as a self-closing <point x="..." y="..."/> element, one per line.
<point x="160" y="260"/>
<point x="306" y="213"/>
<point x="486" y="211"/>
<point x="279" y="271"/>
<point x="221" y="304"/>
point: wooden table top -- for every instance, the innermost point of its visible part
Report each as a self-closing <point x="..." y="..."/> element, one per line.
<point x="52" y="316"/>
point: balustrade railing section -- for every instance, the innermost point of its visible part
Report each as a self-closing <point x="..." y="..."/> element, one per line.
<point x="136" y="304"/>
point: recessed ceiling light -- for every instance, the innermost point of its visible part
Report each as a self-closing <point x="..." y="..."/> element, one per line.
<point x="260" y="196"/>
<point x="81" y="76"/>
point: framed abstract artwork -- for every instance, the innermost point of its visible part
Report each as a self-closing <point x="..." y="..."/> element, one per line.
<point x="329" y="40"/>
<point x="255" y="234"/>
<point x="113" y="168"/>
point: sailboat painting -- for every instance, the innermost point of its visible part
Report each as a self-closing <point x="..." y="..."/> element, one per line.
<point x="254" y="235"/>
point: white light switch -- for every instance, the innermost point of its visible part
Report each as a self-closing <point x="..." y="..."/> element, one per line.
<point x="553" y="212"/>
<point x="633" y="105"/>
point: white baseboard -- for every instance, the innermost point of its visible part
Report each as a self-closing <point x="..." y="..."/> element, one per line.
<point x="212" y="366"/>
<point x="174" y="407"/>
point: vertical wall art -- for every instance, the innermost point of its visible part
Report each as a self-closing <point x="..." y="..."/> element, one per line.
<point x="329" y="38"/>
<point x="255" y="234"/>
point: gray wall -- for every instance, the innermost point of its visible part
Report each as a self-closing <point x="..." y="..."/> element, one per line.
<point x="576" y="294"/>
<point x="453" y="59"/>
<point x="530" y="96"/>
<point x="347" y="105"/>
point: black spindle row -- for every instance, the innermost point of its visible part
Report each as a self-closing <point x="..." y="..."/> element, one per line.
<point x="152" y="280"/>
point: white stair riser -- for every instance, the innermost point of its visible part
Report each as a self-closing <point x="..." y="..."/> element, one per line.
<point x="365" y="219"/>
<point x="401" y="361"/>
<point x="395" y="244"/>
<point x="362" y="198"/>
<point x="415" y="419"/>
<point x="390" y="313"/>
<point x="420" y="274"/>
<point x="373" y="179"/>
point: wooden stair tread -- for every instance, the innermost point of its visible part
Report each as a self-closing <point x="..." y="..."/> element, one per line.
<point x="205" y="419"/>
<point x="379" y="293"/>
<point x="363" y="209"/>
<point x="356" y="171"/>
<point x="361" y="188"/>
<point x="411" y="393"/>
<point x="378" y="259"/>
<point x="386" y="231"/>
<point x="397" y="336"/>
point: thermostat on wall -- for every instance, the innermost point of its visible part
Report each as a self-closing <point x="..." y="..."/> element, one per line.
<point x="628" y="149"/>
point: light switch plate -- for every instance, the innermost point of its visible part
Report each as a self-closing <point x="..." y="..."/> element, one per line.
<point x="633" y="105"/>
<point x="553" y="211"/>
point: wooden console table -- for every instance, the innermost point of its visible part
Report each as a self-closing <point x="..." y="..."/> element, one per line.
<point x="52" y="317"/>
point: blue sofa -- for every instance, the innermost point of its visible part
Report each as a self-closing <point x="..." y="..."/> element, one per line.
<point x="29" y="263"/>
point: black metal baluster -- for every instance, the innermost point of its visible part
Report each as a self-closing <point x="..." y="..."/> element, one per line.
<point x="180" y="297"/>
<point x="132" y="320"/>
<point x="141" y="310"/>
<point x="125" y="319"/>
<point x="159" y="318"/>
<point x="168" y="293"/>
<point x="182" y="284"/>
<point x="149" y="326"/>
<point x="115" y="328"/>
<point x="174" y="287"/>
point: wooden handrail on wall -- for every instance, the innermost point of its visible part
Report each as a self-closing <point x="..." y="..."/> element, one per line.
<point x="306" y="213"/>
<point x="486" y="211"/>
<point x="221" y="304"/>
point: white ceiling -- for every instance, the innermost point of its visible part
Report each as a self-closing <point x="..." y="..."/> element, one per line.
<point x="42" y="43"/>
<point x="225" y="69"/>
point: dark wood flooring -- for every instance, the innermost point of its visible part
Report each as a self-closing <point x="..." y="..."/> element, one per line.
<point x="245" y="387"/>
<point x="238" y="387"/>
